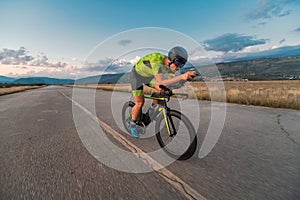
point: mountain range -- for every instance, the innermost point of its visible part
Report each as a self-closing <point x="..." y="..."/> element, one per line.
<point x="4" y="79"/>
<point x="272" y="53"/>
<point x="287" y="67"/>
<point x="35" y="80"/>
<point x="105" y="79"/>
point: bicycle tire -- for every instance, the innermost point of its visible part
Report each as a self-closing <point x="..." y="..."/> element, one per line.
<point x="126" y="115"/>
<point x="161" y="132"/>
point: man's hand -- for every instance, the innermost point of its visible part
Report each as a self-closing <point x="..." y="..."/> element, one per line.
<point x="156" y="86"/>
<point x="188" y="75"/>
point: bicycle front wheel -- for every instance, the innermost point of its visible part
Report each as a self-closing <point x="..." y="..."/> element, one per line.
<point x="182" y="145"/>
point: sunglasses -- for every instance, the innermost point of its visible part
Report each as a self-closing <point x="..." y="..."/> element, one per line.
<point x="178" y="63"/>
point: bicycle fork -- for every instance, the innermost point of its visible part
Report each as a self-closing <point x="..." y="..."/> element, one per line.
<point x="169" y="121"/>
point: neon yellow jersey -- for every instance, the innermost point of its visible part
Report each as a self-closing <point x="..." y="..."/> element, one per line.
<point x="152" y="64"/>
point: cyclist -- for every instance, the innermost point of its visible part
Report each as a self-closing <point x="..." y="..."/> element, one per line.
<point x="151" y="71"/>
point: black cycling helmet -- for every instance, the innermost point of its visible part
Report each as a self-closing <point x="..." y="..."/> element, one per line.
<point x="178" y="55"/>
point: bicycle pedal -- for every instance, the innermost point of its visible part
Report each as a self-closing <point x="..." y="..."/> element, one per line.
<point x="141" y="128"/>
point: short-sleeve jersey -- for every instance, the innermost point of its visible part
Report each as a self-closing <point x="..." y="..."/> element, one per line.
<point x="152" y="64"/>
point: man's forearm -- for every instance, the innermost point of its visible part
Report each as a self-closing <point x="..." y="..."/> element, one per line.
<point x="171" y="81"/>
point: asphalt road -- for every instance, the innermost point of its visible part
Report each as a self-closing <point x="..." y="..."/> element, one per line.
<point x="42" y="156"/>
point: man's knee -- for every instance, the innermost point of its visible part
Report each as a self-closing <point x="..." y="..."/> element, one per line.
<point x="139" y="101"/>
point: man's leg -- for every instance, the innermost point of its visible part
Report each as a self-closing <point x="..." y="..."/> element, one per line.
<point x="136" y="110"/>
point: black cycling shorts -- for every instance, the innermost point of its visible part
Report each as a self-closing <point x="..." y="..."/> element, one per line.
<point x="137" y="81"/>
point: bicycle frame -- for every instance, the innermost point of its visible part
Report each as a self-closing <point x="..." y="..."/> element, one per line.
<point x="165" y="110"/>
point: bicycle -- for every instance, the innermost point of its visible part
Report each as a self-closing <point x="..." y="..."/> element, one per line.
<point x="173" y="129"/>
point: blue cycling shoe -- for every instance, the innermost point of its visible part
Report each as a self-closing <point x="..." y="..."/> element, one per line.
<point x="133" y="129"/>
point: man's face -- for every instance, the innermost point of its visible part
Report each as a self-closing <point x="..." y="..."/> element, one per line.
<point x="174" y="67"/>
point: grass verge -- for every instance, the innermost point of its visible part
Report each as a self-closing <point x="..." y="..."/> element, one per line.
<point x="277" y="94"/>
<point x="14" y="89"/>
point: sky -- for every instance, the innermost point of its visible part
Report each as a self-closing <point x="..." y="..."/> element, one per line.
<point x="55" y="38"/>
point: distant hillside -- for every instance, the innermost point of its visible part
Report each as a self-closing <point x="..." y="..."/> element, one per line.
<point x="4" y="79"/>
<point x="105" y="79"/>
<point x="279" y="68"/>
<point x="43" y="80"/>
<point x="273" y="53"/>
<point x="260" y="69"/>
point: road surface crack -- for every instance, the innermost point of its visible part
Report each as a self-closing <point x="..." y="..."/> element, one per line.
<point x="178" y="182"/>
<point x="285" y="131"/>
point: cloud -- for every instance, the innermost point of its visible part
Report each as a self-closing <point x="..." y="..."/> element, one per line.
<point x="20" y="57"/>
<point x="135" y="60"/>
<point x="271" y="8"/>
<point x="44" y="72"/>
<point x="40" y="60"/>
<point x="99" y="66"/>
<point x="58" y="65"/>
<point x="14" y="57"/>
<point x="109" y="65"/>
<point x="259" y="24"/>
<point x="125" y="42"/>
<point x="297" y="29"/>
<point x="232" y="42"/>
<point x="250" y="53"/>
<point x="23" y="64"/>
<point x="282" y="41"/>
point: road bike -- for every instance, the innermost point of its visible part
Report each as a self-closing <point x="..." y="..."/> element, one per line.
<point x="174" y="131"/>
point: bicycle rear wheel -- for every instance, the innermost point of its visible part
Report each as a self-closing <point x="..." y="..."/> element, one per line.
<point x="126" y="114"/>
<point x="181" y="146"/>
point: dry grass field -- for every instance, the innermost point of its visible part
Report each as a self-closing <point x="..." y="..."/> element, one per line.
<point x="278" y="94"/>
<point x="15" y="89"/>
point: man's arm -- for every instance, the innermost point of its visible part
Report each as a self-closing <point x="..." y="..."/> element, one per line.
<point x="161" y="81"/>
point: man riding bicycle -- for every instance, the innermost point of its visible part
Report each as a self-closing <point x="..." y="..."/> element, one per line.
<point x="151" y="70"/>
